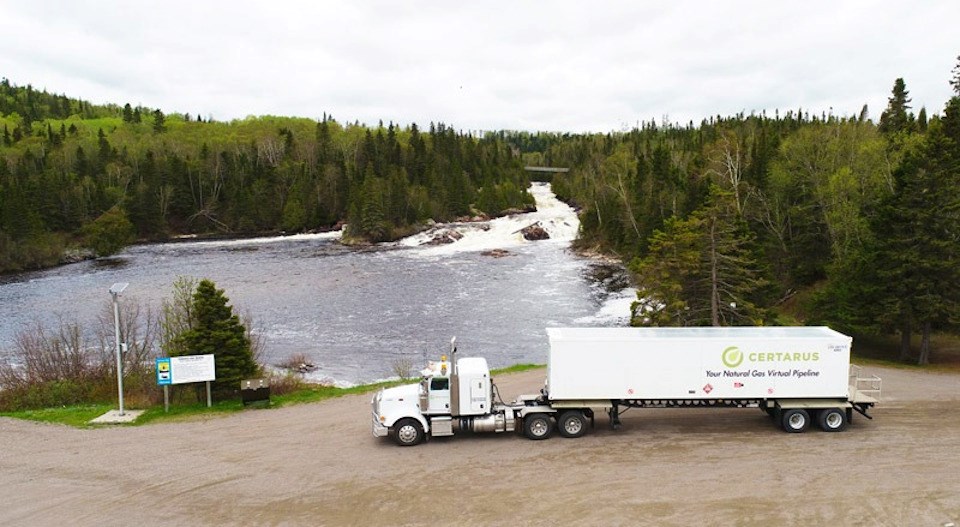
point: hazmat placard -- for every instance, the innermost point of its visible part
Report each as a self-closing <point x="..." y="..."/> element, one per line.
<point x="185" y="369"/>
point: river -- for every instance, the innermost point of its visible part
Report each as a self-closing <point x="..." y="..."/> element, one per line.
<point x="356" y="312"/>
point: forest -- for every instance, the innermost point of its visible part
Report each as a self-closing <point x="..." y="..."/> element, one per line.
<point x="752" y="219"/>
<point x="78" y="176"/>
<point x="778" y="219"/>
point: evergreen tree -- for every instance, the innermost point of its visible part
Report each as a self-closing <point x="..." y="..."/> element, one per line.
<point x="294" y="215"/>
<point x="955" y="80"/>
<point x="218" y="331"/>
<point x="103" y="147"/>
<point x="666" y="275"/>
<point x="127" y="113"/>
<point x="896" y="118"/>
<point x="373" y="223"/>
<point x="918" y="254"/>
<point x="159" y="121"/>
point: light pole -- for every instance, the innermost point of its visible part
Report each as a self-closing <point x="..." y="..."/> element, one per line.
<point x="115" y="291"/>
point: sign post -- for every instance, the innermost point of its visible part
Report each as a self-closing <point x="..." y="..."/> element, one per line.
<point x="183" y="370"/>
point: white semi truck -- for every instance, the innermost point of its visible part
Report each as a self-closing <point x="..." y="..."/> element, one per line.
<point x="798" y="375"/>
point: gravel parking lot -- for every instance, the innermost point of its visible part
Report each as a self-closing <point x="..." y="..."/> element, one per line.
<point x="318" y="464"/>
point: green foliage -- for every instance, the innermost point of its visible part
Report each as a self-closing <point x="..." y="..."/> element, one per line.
<point x="39" y="251"/>
<point x="159" y="122"/>
<point x="666" y="272"/>
<point x="294" y="215"/>
<point x="217" y="330"/>
<point x="700" y="271"/>
<point x="177" y="317"/>
<point x="50" y="394"/>
<point x="863" y="218"/>
<point x="64" y="161"/>
<point x="896" y="118"/>
<point x="109" y="233"/>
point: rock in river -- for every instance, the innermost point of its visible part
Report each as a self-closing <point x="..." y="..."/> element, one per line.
<point x="535" y="232"/>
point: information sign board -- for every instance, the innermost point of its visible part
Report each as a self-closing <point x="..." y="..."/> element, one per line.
<point x="185" y="369"/>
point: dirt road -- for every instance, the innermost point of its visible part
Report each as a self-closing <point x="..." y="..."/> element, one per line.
<point x="318" y="464"/>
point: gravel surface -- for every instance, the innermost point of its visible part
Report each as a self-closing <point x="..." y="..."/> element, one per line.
<point x="318" y="464"/>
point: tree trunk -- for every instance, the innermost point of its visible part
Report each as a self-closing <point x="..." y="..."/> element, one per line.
<point x="905" y="341"/>
<point x="714" y="286"/>
<point x="925" y="345"/>
<point x="622" y="191"/>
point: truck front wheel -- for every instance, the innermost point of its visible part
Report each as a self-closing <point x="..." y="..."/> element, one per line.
<point x="833" y="420"/>
<point x="408" y="432"/>
<point x="537" y="426"/>
<point x="795" y="420"/>
<point x="572" y="423"/>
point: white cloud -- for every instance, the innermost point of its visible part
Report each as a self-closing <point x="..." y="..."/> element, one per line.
<point x="569" y="66"/>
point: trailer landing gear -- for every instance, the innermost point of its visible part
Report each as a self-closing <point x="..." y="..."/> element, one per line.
<point x="614" y="413"/>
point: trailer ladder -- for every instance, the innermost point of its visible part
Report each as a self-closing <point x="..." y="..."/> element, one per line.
<point x="863" y="389"/>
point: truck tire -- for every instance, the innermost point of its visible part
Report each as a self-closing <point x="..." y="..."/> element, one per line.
<point x="832" y="420"/>
<point x="795" y="420"/>
<point x="537" y="426"/>
<point x="572" y="423"/>
<point x="408" y="432"/>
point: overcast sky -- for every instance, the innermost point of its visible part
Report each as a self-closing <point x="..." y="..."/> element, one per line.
<point x="558" y="66"/>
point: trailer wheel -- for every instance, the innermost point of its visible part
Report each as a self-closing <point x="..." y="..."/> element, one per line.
<point x="795" y="420"/>
<point x="537" y="426"/>
<point x="408" y="432"/>
<point x="572" y="423"/>
<point x="833" y="420"/>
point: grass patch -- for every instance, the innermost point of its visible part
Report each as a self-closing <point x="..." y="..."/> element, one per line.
<point x="184" y="412"/>
<point x="516" y="368"/>
<point x="80" y="415"/>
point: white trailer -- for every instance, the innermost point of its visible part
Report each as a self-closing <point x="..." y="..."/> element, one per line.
<point x="797" y="375"/>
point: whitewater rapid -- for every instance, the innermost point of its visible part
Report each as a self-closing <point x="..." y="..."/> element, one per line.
<point x="556" y="217"/>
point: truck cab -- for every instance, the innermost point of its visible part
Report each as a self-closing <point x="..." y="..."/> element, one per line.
<point x="451" y="395"/>
<point x="405" y="412"/>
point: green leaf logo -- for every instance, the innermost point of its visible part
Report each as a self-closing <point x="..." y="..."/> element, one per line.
<point x="732" y="357"/>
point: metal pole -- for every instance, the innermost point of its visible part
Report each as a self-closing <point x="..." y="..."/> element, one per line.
<point x="115" y="290"/>
<point x="209" y="399"/>
<point x="116" y="327"/>
<point x="166" y="398"/>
